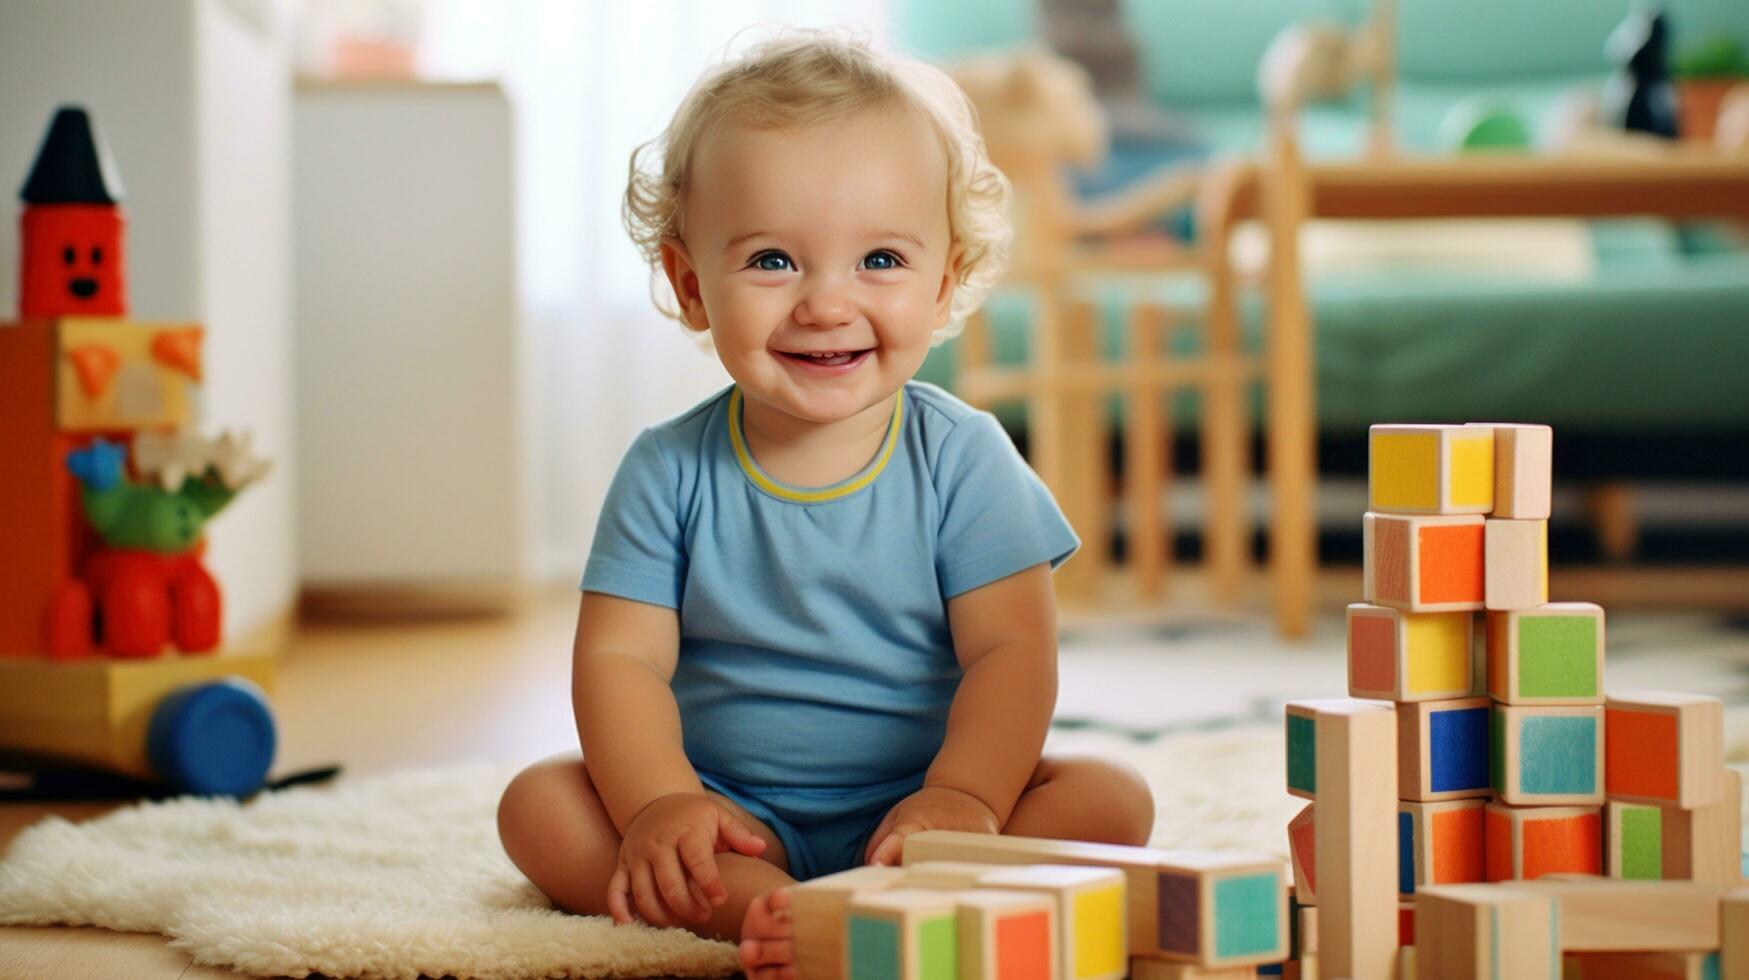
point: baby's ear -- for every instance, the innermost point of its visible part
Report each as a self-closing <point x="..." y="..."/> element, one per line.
<point x="677" y="263"/>
<point x="950" y="280"/>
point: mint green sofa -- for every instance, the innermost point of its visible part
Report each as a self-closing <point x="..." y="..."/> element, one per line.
<point x="1654" y="349"/>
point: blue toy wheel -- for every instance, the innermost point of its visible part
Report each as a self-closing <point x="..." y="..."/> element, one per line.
<point x="213" y="739"/>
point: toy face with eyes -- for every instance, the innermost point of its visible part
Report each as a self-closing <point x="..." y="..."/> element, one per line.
<point x="72" y="261"/>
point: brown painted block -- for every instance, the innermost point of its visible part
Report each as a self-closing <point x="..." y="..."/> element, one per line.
<point x="1400" y="656"/>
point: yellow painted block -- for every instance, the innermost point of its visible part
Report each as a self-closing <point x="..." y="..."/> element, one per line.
<point x="1472" y="470"/>
<point x="1444" y="663"/>
<point x="1405" y="471"/>
<point x="96" y="711"/>
<point x="1431" y="469"/>
<point x="1101" y="946"/>
<point x="144" y="391"/>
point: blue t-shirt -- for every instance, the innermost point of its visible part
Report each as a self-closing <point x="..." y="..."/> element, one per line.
<point x="814" y="642"/>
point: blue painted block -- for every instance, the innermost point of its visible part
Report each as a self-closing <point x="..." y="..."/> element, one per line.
<point x="1458" y="742"/>
<point x="1405" y="854"/>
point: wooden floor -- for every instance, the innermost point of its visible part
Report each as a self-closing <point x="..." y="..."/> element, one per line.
<point x="371" y="696"/>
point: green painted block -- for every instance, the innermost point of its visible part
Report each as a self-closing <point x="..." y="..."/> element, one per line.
<point x="1247" y="913"/>
<point x="1557" y="656"/>
<point x="938" y="949"/>
<point x="1302" y="754"/>
<point x="1642" y="842"/>
<point x="874" y="949"/>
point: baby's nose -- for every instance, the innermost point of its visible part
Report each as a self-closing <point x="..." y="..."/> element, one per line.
<point x="827" y="305"/>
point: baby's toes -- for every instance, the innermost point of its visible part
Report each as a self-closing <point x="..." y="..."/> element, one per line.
<point x="766" y="953"/>
<point x="768" y="917"/>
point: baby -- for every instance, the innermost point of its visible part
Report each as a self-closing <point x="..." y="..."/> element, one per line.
<point x="817" y="615"/>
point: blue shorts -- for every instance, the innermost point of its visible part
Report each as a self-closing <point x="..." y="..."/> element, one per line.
<point x="824" y="829"/>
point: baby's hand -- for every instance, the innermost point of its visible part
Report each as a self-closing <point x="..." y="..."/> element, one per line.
<point x="667" y="861"/>
<point x="930" y="808"/>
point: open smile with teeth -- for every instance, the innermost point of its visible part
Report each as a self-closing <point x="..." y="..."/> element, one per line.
<point x="827" y="358"/>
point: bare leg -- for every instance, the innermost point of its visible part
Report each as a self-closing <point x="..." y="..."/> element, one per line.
<point x="556" y="830"/>
<point x="1084" y="798"/>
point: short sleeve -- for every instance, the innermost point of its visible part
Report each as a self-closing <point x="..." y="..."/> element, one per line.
<point x="638" y="551"/>
<point x="997" y="518"/>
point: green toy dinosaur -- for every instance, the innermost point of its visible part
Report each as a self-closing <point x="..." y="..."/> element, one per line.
<point x="126" y="514"/>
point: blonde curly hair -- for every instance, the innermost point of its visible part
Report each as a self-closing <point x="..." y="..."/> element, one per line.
<point x="805" y="77"/>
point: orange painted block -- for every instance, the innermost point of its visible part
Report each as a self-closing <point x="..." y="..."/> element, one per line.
<point x="1517" y="564"/>
<point x="1302" y="849"/>
<point x="1664" y="748"/>
<point x="1439" y="843"/>
<point x="1642" y="966"/>
<point x="1526" y="842"/>
<point x="1400" y="656"/>
<point x="1007" y="935"/>
<point x="1423" y="564"/>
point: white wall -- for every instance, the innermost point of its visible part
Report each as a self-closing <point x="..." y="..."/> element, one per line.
<point x="192" y="98"/>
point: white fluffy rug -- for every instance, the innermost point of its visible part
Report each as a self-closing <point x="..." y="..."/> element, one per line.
<point x="402" y="874"/>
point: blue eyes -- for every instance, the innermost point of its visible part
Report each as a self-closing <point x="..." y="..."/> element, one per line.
<point x="879" y="260"/>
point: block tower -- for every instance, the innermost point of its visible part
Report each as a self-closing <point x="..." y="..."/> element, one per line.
<point x="1503" y="765"/>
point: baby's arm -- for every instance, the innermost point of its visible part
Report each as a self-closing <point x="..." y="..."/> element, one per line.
<point x="622" y="662"/>
<point x="1005" y="637"/>
<point x="629" y="725"/>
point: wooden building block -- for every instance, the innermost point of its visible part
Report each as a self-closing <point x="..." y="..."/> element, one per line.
<point x="1301" y="739"/>
<point x="1643" y="966"/>
<point x="1552" y="654"/>
<point x="1486" y="931"/>
<point x="1006" y="935"/>
<point x="1665" y="748"/>
<point x="1610" y="915"/>
<point x="1548" y="756"/>
<point x="1357" y="803"/>
<point x="1302" y="854"/>
<point x="902" y="934"/>
<point x="1734" y="934"/>
<point x="946" y="875"/>
<point x="1221" y="910"/>
<point x="1092" y="929"/>
<point x="1405" y="962"/>
<point x="1400" y="656"/>
<point x="1306" y="931"/>
<point x="1516" y="559"/>
<point x="1145" y="969"/>
<point x="1430" y="469"/>
<point x="1406" y="923"/>
<point x="1646" y="841"/>
<point x="1439" y="843"/>
<point x="1524" y="843"/>
<point x="1523" y="469"/>
<point x="1141" y="867"/>
<point x="1423" y="564"/>
<point x="818" y="909"/>
<point x="1442" y="749"/>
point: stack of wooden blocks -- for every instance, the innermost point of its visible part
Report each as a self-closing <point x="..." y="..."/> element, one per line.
<point x="985" y="907"/>
<point x="1507" y="787"/>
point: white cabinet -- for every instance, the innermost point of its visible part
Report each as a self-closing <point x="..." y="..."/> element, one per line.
<point x="414" y="474"/>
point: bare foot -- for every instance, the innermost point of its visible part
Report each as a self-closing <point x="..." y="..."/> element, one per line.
<point x="767" y="947"/>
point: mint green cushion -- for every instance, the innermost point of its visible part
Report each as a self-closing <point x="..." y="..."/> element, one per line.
<point x="1646" y="347"/>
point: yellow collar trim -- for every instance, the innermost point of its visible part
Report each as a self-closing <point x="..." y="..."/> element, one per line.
<point x="776" y="489"/>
